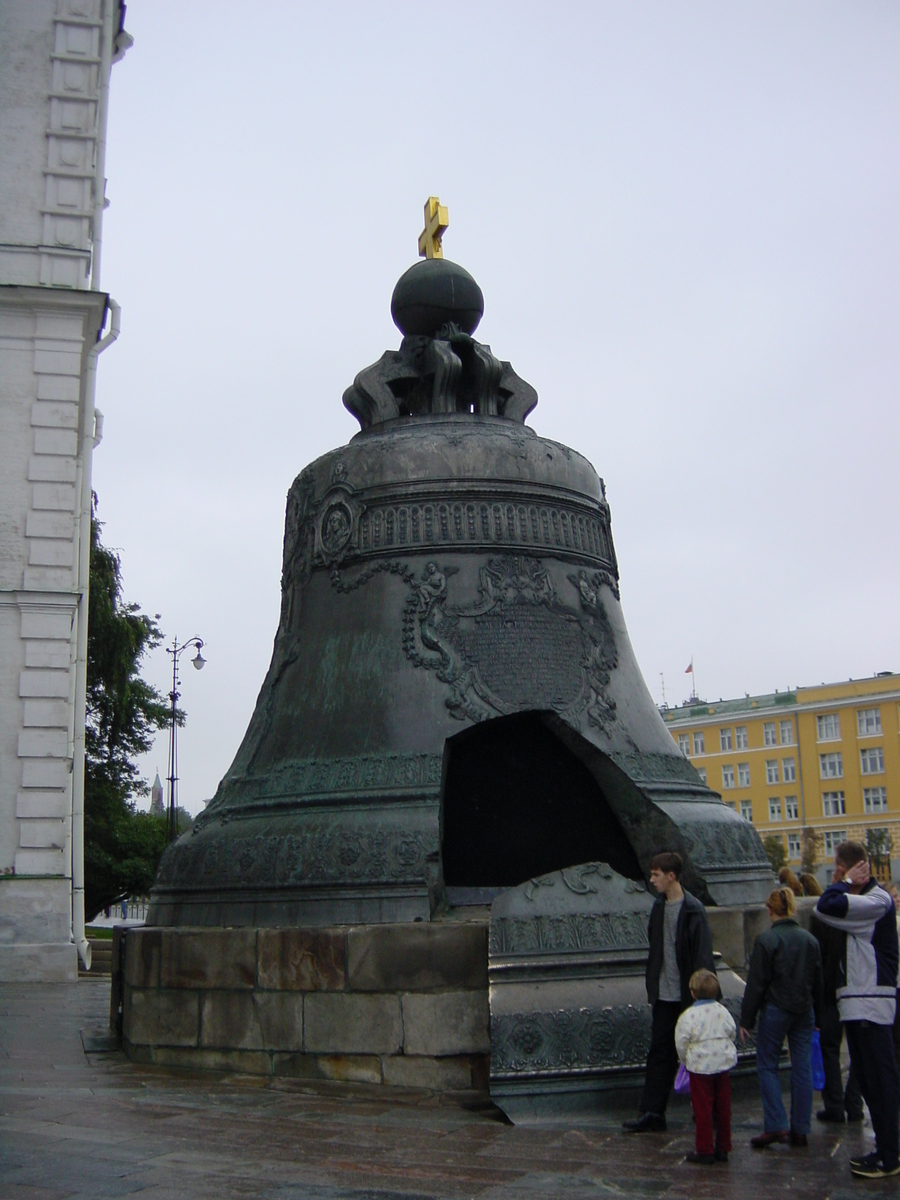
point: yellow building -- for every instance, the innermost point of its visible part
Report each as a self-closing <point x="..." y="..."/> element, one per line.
<point x="826" y="757"/>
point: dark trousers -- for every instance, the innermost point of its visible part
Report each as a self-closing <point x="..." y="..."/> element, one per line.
<point x="835" y="1097"/>
<point x="712" y="1093"/>
<point x="872" y="1055"/>
<point x="662" y="1057"/>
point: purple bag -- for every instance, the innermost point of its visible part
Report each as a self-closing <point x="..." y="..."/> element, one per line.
<point x="682" y="1081"/>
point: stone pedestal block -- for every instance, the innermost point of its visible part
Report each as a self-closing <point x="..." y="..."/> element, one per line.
<point x="208" y="958"/>
<point x="340" y="1068"/>
<point x="304" y="960"/>
<point x="446" y="1023"/>
<point x="432" y="1074"/>
<point x="251" y="1020"/>
<point x="339" y="1023"/>
<point x="161" y="1018"/>
<point x="417" y="957"/>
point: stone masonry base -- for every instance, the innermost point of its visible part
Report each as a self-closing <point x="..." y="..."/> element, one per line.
<point x="403" y="1005"/>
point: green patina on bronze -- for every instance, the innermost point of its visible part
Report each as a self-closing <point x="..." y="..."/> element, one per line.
<point x="451" y="670"/>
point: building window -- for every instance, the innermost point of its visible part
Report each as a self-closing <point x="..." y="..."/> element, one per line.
<point x="793" y="845"/>
<point x="875" y="800"/>
<point x="743" y="774"/>
<point x="833" y="804"/>
<point x="740" y="737"/>
<point x="828" y="727"/>
<point x="871" y="761"/>
<point x="833" y="838"/>
<point x="699" y="743"/>
<point x="684" y="744"/>
<point x="769" y="738"/>
<point x="791" y="808"/>
<point x="728" y="777"/>
<point x="771" y="770"/>
<point x="786" y="729"/>
<point x="747" y="810"/>
<point x="724" y="739"/>
<point x="730" y="804"/>
<point x="701" y="771"/>
<point x="868" y="721"/>
<point x="831" y="766"/>
<point x="774" y="808"/>
<point x="788" y="770"/>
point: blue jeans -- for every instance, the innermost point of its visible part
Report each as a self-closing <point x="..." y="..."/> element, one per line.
<point x="773" y="1027"/>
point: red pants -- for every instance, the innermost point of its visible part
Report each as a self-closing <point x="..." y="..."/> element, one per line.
<point x="712" y="1093"/>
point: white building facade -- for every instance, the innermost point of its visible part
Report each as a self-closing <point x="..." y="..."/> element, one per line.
<point x="55" y="64"/>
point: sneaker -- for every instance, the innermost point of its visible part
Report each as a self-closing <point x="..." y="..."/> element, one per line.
<point x="721" y="1156"/>
<point x="875" y="1170"/>
<point x="865" y="1160"/>
<point x="705" y="1160"/>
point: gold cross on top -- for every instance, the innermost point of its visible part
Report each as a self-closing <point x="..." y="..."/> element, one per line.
<point x="436" y="221"/>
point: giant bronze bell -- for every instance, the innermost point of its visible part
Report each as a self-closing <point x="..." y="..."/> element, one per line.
<point x="453" y="705"/>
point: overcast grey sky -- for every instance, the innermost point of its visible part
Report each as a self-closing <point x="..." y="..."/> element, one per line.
<point x="684" y="219"/>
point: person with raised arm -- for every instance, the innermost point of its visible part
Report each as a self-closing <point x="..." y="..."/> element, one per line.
<point x="867" y="997"/>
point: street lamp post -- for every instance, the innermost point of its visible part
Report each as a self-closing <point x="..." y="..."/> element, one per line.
<point x="199" y="662"/>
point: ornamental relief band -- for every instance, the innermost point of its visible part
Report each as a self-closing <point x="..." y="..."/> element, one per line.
<point x="573" y="1039"/>
<point x="486" y="523"/>
<point x="320" y="852"/>
<point x="344" y="527"/>
<point x="322" y="779"/>
<point x="573" y="932"/>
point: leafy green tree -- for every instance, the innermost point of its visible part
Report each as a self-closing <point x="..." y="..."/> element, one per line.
<point x="122" y="846"/>
<point x="879" y="845"/>
<point x="774" y="848"/>
<point x="810" y="842"/>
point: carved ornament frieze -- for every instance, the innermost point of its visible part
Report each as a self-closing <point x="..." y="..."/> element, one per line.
<point x="318" y="780"/>
<point x="318" y="852"/>
<point x="345" y="525"/>
<point x="715" y="844"/>
<point x="569" y="1039"/>
<point x="568" y="933"/>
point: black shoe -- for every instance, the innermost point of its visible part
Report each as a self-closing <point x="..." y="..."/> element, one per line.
<point x="865" y="1160"/>
<point x="829" y="1114"/>
<point x="705" y="1160"/>
<point x="856" y="1117"/>
<point x="798" y="1139"/>
<point x="645" y="1123"/>
<point x="721" y="1156"/>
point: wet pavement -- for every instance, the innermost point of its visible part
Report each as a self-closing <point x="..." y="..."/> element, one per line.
<point x="77" y="1119"/>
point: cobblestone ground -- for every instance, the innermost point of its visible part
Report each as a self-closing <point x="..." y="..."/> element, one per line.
<point x="79" y="1122"/>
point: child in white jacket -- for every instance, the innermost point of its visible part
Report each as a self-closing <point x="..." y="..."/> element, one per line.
<point x="704" y="1039"/>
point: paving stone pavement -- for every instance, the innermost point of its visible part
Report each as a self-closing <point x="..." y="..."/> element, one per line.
<point x="80" y="1121"/>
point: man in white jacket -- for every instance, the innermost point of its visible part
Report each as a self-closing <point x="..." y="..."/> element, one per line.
<point x="867" y="997"/>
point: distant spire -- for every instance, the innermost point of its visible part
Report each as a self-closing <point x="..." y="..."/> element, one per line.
<point x="156" y="798"/>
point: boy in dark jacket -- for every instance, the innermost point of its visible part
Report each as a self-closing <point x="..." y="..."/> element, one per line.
<point x="680" y="944"/>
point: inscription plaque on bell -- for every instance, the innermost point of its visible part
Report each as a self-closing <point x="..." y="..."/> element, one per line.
<point x="553" y="678"/>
